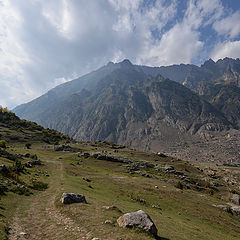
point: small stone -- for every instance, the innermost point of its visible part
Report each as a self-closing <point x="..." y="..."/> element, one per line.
<point x="23" y="234"/>
<point x="109" y="207"/>
<point x="108" y="222"/>
<point x="86" y="179"/>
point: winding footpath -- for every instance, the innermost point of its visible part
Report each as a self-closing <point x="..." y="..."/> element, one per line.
<point x="44" y="221"/>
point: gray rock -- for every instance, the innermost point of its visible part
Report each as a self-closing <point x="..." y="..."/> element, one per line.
<point x="85" y="155"/>
<point x="109" y="207"/>
<point x="235" y="199"/>
<point x="108" y="222"/>
<point x="29" y="164"/>
<point x="138" y="219"/>
<point x="23" y="234"/>
<point x="65" y="148"/>
<point x="68" y="198"/>
<point x="236" y="210"/>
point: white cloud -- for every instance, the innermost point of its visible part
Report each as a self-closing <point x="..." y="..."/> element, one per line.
<point x="201" y="13"/>
<point x="226" y="49"/>
<point x="229" y="26"/>
<point x="43" y="42"/>
<point x="47" y="42"/>
<point x="179" y="45"/>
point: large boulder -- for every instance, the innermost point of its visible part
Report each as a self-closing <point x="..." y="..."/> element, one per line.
<point x="138" y="219"/>
<point x="236" y="210"/>
<point x="68" y="198"/>
<point x="235" y="199"/>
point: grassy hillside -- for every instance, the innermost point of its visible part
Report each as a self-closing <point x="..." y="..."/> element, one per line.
<point x="181" y="198"/>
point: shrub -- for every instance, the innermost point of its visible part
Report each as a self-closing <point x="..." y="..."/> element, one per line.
<point x="40" y="186"/>
<point x="21" y="190"/>
<point x="179" y="185"/>
<point x="3" y="189"/>
<point x="3" y="144"/>
<point x="161" y="155"/>
<point x="229" y="210"/>
<point x="17" y="167"/>
<point x="34" y="157"/>
<point x="28" y="145"/>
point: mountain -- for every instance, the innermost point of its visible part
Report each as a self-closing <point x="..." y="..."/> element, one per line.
<point x="141" y="107"/>
<point x="219" y="82"/>
<point x="121" y="103"/>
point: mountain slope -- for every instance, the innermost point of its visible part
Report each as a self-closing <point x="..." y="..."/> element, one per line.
<point x="184" y="200"/>
<point x="128" y="107"/>
<point x="219" y="84"/>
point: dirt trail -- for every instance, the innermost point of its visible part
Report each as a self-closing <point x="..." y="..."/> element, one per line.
<point x="43" y="221"/>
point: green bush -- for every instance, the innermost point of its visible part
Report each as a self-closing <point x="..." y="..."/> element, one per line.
<point x="21" y="190"/>
<point x="179" y="185"/>
<point x="34" y="157"/>
<point x="28" y="145"/>
<point x="17" y="167"/>
<point x="3" y="189"/>
<point x="40" y="186"/>
<point x="3" y="144"/>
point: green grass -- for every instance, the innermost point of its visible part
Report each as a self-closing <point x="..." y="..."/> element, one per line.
<point x="184" y="214"/>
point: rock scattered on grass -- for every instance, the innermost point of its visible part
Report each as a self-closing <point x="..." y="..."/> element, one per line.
<point x="235" y="199"/>
<point x="68" y="198"/>
<point x="23" y="234"/>
<point x="86" y="179"/>
<point x="108" y="222"/>
<point x="109" y="207"/>
<point x="138" y="219"/>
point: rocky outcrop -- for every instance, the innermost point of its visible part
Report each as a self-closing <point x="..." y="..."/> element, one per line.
<point x="68" y="198"/>
<point x="138" y="219"/>
<point x="64" y="148"/>
<point x="30" y="164"/>
<point x="111" y="158"/>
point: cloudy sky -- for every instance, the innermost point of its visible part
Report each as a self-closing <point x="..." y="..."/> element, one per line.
<point x="46" y="42"/>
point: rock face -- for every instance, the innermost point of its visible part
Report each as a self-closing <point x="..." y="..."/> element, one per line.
<point x="138" y="219"/>
<point x="68" y="198"/>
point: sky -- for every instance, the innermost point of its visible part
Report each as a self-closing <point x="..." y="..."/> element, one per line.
<point x="44" y="43"/>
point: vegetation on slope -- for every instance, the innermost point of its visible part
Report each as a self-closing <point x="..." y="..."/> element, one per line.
<point x="180" y="198"/>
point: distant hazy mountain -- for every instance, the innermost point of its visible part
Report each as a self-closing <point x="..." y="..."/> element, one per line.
<point x="127" y="104"/>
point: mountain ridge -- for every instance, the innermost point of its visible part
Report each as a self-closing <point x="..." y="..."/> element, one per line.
<point x="135" y="106"/>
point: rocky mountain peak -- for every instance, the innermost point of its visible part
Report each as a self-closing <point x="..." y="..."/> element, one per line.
<point x="110" y="64"/>
<point x="126" y="63"/>
<point x="209" y="64"/>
